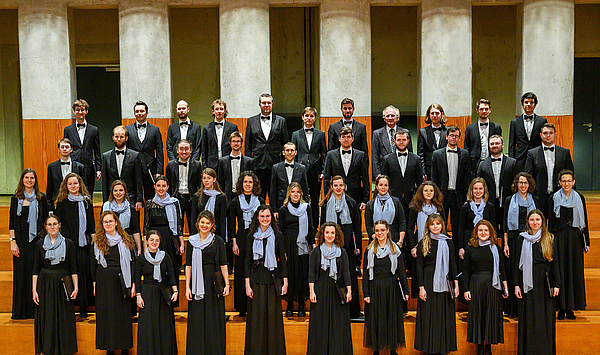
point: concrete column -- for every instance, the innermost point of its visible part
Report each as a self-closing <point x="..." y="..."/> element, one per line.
<point x="145" y="57"/>
<point x="547" y="62"/>
<point x="245" y="57"/>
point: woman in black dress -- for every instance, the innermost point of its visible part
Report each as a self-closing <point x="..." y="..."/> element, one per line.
<point x="567" y="219"/>
<point x="295" y="223"/>
<point x="340" y="208"/>
<point x="484" y="285"/>
<point x="210" y="197"/>
<point x="118" y="202"/>
<point x="475" y="210"/>
<point x="239" y="218"/>
<point x="206" y="260"/>
<point x="386" y="207"/>
<point x="384" y="283"/>
<point x="266" y="282"/>
<point x="537" y="283"/>
<point x="54" y="259"/>
<point x="156" y="323"/>
<point x="112" y="272"/>
<point x="328" y="273"/>
<point x="516" y="208"/>
<point x="27" y="204"/>
<point x="75" y="209"/>
<point x="435" y="331"/>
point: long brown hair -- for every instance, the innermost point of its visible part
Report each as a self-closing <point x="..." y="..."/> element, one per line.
<point x="255" y="225"/>
<point x="326" y="198"/>
<point x="547" y="238"/>
<point x="418" y="200"/>
<point x="374" y="244"/>
<point x="530" y="180"/>
<point x="289" y="192"/>
<point x="239" y="185"/>
<point x="20" y="190"/>
<point x="100" y="238"/>
<point x="426" y="236"/>
<point x="486" y="194"/>
<point x="339" y="235"/>
<point x="474" y="241"/>
<point x="212" y="173"/>
<point x="63" y="192"/>
<point x="111" y="197"/>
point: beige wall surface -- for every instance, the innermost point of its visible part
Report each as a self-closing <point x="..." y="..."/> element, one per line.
<point x="96" y="36"/>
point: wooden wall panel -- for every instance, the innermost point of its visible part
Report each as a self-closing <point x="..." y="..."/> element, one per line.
<point x="163" y="125"/>
<point x="460" y="121"/>
<point x="241" y="123"/>
<point x="564" y="130"/>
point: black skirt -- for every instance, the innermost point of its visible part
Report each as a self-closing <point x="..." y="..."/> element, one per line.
<point x="167" y="244"/>
<point x="569" y="246"/>
<point x="384" y="322"/>
<point x="113" y="311"/>
<point x="156" y="323"/>
<point x="264" y="325"/>
<point x="297" y="274"/>
<point x="54" y="323"/>
<point x="485" y="322"/>
<point x="511" y="303"/>
<point x="22" y="302"/>
<point x="240" y="300"/>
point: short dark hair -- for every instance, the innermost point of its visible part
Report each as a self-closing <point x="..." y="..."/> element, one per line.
<point x="184" y="141"/>
<point x="347" y="101"/>
<point x="140" y="103"/>
<point x="529" y="95"/>
<point x="402" y="131"/>
<point x="452" y="129"/>
<point x="64" y="140"/>
<point x="346" y="130"/>
<point x="484" y="101"/>
<point x="566" y="172"/>
<point x="549" y="125"/>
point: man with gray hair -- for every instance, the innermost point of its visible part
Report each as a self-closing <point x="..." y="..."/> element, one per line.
<point x="384" y="138"/>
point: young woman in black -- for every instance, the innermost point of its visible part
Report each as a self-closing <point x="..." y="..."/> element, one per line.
<point x="118" y="202"/>
<point x="386" y="207"/>
<point x="210" y="197"/>
<point x="475" y="210"/>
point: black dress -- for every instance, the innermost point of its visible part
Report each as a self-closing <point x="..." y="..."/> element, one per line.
<point x="199" y="202"/>
<point x="297" y="264"/>
<point x="206" y="332"/>
<point x="113" y="310"/>
<point x="384" y="322"/>
<point x="68" y="212"/>
<point x="155" y="217"/>
<point x="54" y="324"/>
<point x="329" y="329"/>
<point x="235" y="228"/>
<point x="398" y="224"/>
<point x="22" y="303"/>
<point x="466" y="223"/>
<point x="264" y="324"/>
<point x="537" y="314"/>
<point x="436" y="319"/>
<point x="156" y="323"/>
<point x="570" y="244"/>
<point x="485" y="322"/>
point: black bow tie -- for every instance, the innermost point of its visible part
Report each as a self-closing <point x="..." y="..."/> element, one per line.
<point x="120" y="152"/>
<point x="528" y="118"/>
<point x="496" y="159"/>
<point x="236" y="158"/>
<point x="287" y="165"/>
<point x="141" y="125"/>
<point x="81" y="125"/>
<point x="483" y="124"/>
<point x="452" y="151"/>
<point x="549" y="148"/>
<point x="265" y="118"/>
<point x="184" y="123"/>
<point x="65" y="162"/>
<point x="437" y="128"/>
<point x="309" y="129"/>
<point x="405" y="154"/>
<point x="218" y="124"/>
<point x="182" y="163"/>
<point x="346" y="151"/>
<point x="348" y="123"/>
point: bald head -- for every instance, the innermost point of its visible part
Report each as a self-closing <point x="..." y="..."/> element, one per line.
<point x="182" y="110"/>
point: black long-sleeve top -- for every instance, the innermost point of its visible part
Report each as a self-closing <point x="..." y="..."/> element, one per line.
<point x="566" y="219"/>
<point x="382" y="270"/>
<point x="68" y="212"/>
<point x="235" y="217"/>
<point x="522" y="215"/>
<point x="551" y="267"/>
<point x="256" y="270"/>
<point x="214" y="254"/>
<point x="14" y="221"/>
<point x="314" y="266"/>
<point x="199" y="201"/>
<point x="156" y="215"/>
<point x="398" y="224"/>
<point x="69" y="265"/>
<point x="412" y="226"/>
<point x="466" y="222"/>
<point x="429" y="261"/>
<point x="113" y="258"/>
<point x="480" y="259"/>
<point x="143" y="268"/>
<point x="289" y="225"/>
<point x="352" y="232"/>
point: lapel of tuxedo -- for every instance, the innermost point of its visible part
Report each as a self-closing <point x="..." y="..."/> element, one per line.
<point x="430" y="137"/>
<point x="338" y="156"/>
<point x="76" y="141"/>
<point x="176" y="170"/>
<point x="387" y="145"/>
<point x="443" y="140"/>
<point x="502" y="167"/>
<point x="542" y="158"/>
<point x="113" y="161"/>
<point x="296" y="173"/>
<point x="397" y="164"/>
<point x="445" y="160"/>
<point x="305" y="140"/>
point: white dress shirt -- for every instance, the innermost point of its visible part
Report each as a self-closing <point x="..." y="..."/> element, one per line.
<point x="550" y="157"/>
<point x="452" y="167"/>
<point x="81" y="131"/>
<point x="528" y="126"/>
<point x="484" y="132"/>
<point x="219" y="133"/>
<point x="265" y="125"/>
<point x="289" y="171"/>
<point x="497" y="169"/>
<point x="183" y="177"/>
<point x="142" y="131"/>
<point x="183" y="128"/>
<point x="346" y="160"/>
<point x="438" y="135"/>
<point x="402" y="160"/>
<point x="65" y="168"/>
<point x="309" y="136"/>
<point x="120" y="159"/>
<point x="235" y="171"/>
<point x="392" y="136"/>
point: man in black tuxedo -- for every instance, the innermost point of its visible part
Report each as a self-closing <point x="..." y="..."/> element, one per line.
<point x="312" y="150"/>
<point x="215" y="136"/>
<point x="59" y="169"/>
<point x="184" y="175"/>
<point x="231" y="165"/>
<point x="477" y="135"/>
<point x="85" y="140"/>
<point x="545" y="162"/>
<point x="359" y="130"/>
<point x="403" y="169"/>
<point x="384" y="138"/>
<point x="183" y="129"/>
<point x="266" y="133"/>
<point x="352" y="165"/>
<point x="451" y="173"/>
<point x="498" y="171"/>
<point x="284" y="173"/>
<point x="122" y="163"/>
<point x="431" y="137"/>
<point x="525" y="131"/>
<point x="147" y="140"/>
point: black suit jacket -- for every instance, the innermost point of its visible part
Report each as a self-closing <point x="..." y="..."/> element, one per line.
<point x="382" y="146"/>
<point x="174" y="136"/>
<point x="358" y="173"/>
<point x="266" y="151"/>
<point x="87" y="153"/>
<point x="208" y="144"/>
<point x="439" y="170"/>
<point x="536" y="166"/>
<point x="403" y="186"/>
<point x="473" y="141"/>
<point x="313" y="157"/>
<point x="131" y="174"/>
<point x="279" y="183"/>
<point x="518" y="143"/>
<point x="55" y="178"/>
<point x="359" y="131"/>
<point x="426" y="146"/>
<point x="224" y="173"/>
<point x="398" y="224"/>
<point x="508" y="170"/>
<point x="194" y="176"/>
<point x="151" y="149"/>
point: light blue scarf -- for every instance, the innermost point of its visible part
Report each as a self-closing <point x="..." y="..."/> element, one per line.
<point x="388" y="212"/>
<point x="124" y="212"/>
<point x="33" y="212"/>
<point x="169" y="204"/>
<point x="82" y="217"/>
<point x="258" y="248"/>
<point x="197" y="271"/>
<point x="442" y="263"/>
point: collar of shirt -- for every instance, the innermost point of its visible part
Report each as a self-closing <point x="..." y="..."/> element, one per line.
<point x="342" y="150"/>
<point x="84" y="123"/>
<point x="269" y="115"/>
<point x="220" y="123"/>
<point x="120" y="150"/>
<point x="304" y="127"/>
<point x="448" y="149"/>
<point x="548" y="146"/>
<point x="347" y="122"/>
<point x="65" y="161"/>
<point x="187" y="120"/>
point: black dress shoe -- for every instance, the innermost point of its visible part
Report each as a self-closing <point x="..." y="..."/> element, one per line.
<point x="289" y="313"/>
<point x="488" y="349"/>
<point x="561" y="314"/>
<point x="301" y="313"/>
<point x="570" y="314"/>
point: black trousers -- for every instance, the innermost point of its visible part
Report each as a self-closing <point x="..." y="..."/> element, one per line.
<point x="185" y="203"/>
<point x="353" y="262"/>
<point x="264" y="176"/>
<point x="85" y="297"/>
<point x="90" y="180"/>
<point x="453" y="201"/>
<point x="314" y="191"/>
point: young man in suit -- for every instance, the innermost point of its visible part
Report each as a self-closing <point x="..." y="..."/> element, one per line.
<point x="525" y="131"/>
<point x="266" y="133"/>
<point x="477" y="135"/>
<point x="147" y="140"/>
<point x="85" y="140"/>
<point x="231" y="165"/>
<point x="352" y="165"/>
<point x="359" y="130"/>
<point x="183" y="129"/>
<point x="312" y="150"/>
<point x="384" y="138"/>
<point x="122" y="163"/>
<point x="431" y="137"/>
<point x="215" y="136"/>
<point x="545" y="162"/>
<point x="451" y="173"/>
<point x="59" y="169"/>
<point x="184" y="175"/>
<point x="284" y="173"/>
<point x="498" y="171"/>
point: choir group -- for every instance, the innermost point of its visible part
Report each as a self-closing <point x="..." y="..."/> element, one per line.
<point x="519" y="233"/>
